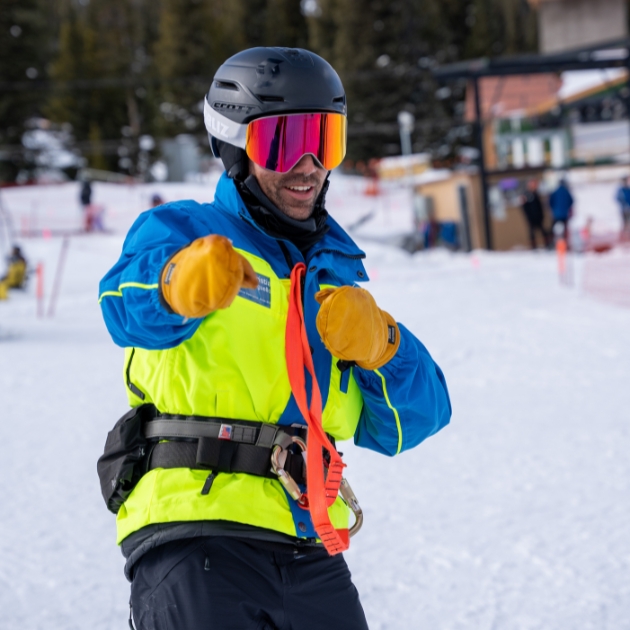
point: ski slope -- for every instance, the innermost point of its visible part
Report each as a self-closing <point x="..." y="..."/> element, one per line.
<point x="515" y="517"/>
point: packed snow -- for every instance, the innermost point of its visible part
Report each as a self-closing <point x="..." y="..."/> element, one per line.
<point x="514" y="517"/>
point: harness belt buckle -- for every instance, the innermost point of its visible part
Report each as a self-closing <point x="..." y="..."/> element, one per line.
<point x="225" y="432"/>
<point x="277" y="467"/>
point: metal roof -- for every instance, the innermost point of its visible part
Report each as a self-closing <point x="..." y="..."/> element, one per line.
<point x="611" y="54"/>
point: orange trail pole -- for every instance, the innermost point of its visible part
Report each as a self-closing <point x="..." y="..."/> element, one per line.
<point x="58" y="273"/>
<point x="561" y="251"/>
<point x="40" y="289"/>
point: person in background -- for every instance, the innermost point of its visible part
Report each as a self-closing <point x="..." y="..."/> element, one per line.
<point x="156" y="200"/>
<point x="86" y="193"/>
<point x="96" y="213"/>
<point x="561" y="202"/>
<point x="15" y="277"/>
<point x="534" y="213"/>
<point x="86" y="201"/>
<point x="623" y="198"/>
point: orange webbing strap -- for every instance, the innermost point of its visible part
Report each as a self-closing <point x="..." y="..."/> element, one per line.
<point x="322" y="489"/>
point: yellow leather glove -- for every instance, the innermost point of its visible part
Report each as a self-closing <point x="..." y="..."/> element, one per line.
<point x="354" y="328"/>
<point x="205" y="276"/>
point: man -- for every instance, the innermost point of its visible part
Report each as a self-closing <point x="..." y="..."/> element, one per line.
<point x="534" y="214"/>
<point x="85" y="196"/>
<point x="561" y="202"/>
<point x="247" y="339"/>
<point x="623" y="198"/>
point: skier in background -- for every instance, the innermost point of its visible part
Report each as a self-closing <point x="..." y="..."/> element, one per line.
<point x="623" y="198"/>
<point x="225" y="309"/>
<point x="85" y="197"/>
<point x="534" y="213"/>
<point x="156" y="200"/>
<point x="16" y="275"/>
<point x="86" y="193"/>
<point x="561" y="202"/>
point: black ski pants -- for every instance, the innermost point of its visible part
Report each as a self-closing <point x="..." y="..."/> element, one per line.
<point x="221" y="583"/>
<point x="538" y="227"/>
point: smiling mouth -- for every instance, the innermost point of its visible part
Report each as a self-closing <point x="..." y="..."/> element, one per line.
<point x="300" y="193"/>
<point x="299" y="188"/>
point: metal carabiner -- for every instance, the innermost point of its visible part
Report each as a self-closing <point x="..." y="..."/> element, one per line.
<point x="352" y="502"/>
<point x="289" y="484"/>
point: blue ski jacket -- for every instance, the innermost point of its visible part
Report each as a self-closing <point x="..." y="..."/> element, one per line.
<point x="394" y="408"/>
<point x="561" y="202"/>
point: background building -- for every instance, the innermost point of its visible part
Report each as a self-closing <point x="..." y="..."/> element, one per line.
<point x="566" y="24"/>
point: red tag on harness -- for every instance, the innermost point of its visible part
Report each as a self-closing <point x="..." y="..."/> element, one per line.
<point x="322" y="489"/>
<point x="225" y="432"/>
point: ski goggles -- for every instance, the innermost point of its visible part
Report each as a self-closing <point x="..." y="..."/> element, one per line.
<point x="277" y="143"/>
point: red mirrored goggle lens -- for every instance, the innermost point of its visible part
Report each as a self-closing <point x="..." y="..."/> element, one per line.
<point x="277" y="143"/>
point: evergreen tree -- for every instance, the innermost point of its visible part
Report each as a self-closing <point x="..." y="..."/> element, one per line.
<point x="24" y="53"/>
<point x="194" y="39"/>
<point x="101" y="67"/>
<point x="197" y="37"/>
<point x="322" y="27"/>
<point x="254" y="19"/>
<point x="499" y="27"/>
<point x="370" y="43"/>
<point x="286" y="24"/>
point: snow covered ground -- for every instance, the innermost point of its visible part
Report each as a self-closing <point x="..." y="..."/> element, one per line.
<point x="515" y="517"/>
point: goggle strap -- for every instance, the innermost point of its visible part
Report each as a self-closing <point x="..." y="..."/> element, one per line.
<point x="223" y="128"/>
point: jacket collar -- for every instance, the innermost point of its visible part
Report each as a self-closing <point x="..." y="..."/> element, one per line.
<point x="335" y="249"/>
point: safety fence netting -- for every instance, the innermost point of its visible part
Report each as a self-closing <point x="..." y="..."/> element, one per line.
<point x="606" y="275"/>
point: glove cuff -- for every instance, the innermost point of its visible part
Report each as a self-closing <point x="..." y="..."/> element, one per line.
<point x="164" y="291"/>
<point x="391" y="347"/>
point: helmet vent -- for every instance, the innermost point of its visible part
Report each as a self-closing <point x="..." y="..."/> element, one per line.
<point x="339" y="99"/>
<point x="270" y="99"/>
<point x="231" y="106"/>
<point x="226" y="85"/>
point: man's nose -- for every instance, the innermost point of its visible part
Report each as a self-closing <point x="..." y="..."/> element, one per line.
<point x="306" y="165"/>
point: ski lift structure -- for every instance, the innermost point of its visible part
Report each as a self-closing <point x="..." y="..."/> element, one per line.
<point x="611" y="54"/>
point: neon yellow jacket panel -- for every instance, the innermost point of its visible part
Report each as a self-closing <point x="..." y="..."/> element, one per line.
<point x="231" y="364"/>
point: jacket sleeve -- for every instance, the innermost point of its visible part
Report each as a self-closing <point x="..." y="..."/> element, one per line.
<point x="404" y="401"/>
<point x="129" y="292"/>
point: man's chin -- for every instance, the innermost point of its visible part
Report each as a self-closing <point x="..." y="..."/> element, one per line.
<point x="300" y="210"/>
<point x="300" y="213"/>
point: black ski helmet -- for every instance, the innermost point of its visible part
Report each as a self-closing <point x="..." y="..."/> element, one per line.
<point x="260" y="82"/>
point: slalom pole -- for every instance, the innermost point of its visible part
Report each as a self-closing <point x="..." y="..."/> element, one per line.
<point x="58" y="274"/>
<point x="563" y="272"/>
<point x="561" y="251"/>
<point x="40" y="289"/>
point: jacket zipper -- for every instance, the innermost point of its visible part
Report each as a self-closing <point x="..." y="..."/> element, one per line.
<point x="287" y="254"/>
<point x="134" y="389"/>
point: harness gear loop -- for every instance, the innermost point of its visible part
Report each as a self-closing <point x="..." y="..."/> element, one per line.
<point x="322" y="489"/>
